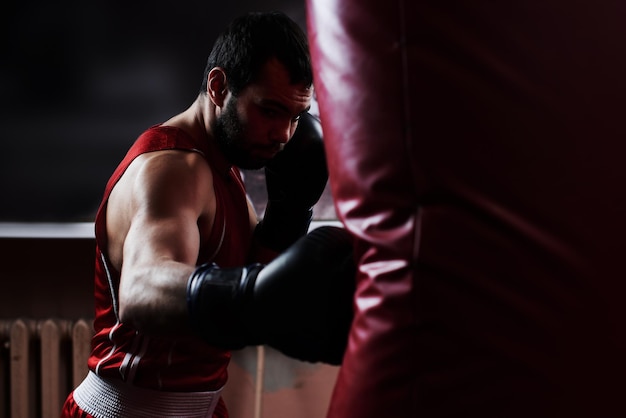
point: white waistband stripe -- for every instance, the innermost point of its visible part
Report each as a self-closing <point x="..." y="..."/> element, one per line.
<point x="106" y="398"/>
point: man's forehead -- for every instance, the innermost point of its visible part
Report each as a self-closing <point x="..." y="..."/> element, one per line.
<point x="294" y="107"/>
<point x="292" y="97"/>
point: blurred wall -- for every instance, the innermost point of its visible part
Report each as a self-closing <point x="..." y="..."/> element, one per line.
<point x="79" y="81"/>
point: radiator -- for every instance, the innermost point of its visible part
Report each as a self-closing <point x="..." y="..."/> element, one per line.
<point x="41" y="361"/>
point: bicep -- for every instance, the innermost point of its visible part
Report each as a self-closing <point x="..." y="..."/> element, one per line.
<point x="162" y="242"/>
<point x="158" y="260"/>
<point x="155" y="239"/>
<point x="168" y="196"/>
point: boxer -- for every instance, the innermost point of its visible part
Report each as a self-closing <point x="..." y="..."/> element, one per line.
<point x="185" y="272"/>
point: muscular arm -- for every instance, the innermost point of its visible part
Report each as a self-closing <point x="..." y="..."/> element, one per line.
<point x="152" y="222"/>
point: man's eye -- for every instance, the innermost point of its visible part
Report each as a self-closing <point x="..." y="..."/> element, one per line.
<point x="270" y="112"/>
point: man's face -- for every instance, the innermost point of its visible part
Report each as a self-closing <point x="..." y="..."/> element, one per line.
<point x="254" y="126"/>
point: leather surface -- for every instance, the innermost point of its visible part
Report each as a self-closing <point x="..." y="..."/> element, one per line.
<point x="475" y="150"/>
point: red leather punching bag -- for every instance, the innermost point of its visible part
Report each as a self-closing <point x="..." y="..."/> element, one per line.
<point x="476" y="151"/>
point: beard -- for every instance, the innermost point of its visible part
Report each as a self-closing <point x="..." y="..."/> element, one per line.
<point x="229" y="135"/>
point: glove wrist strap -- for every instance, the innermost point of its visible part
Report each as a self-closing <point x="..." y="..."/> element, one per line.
<point x="217" y="301"/>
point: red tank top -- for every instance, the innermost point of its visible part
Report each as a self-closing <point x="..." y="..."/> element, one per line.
<point x="182" y="364"/>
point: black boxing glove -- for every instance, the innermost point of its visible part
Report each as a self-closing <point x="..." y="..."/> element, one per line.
<point x="299" y="304"/>
<point x="295" y="179"/>
<point x="307" y="297"/>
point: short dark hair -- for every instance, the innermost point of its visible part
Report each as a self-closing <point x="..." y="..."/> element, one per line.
<point x="251" y="40"/>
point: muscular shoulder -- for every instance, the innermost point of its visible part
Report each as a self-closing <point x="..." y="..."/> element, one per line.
<point x="167" y="180"/>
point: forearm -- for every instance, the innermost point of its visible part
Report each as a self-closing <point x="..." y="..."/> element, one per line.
<point x="153" y="297"/>
<point x="159" y="254"/>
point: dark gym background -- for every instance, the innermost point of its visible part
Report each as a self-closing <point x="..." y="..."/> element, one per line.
<point x="79" y="81"/>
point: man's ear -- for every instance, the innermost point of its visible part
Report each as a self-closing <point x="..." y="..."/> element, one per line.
<point x="217" y="86"/>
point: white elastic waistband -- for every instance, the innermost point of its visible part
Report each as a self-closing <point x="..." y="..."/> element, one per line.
<point x="106" y="398"/>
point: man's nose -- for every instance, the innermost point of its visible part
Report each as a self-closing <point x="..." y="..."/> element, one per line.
<point x="282" y="132"/>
